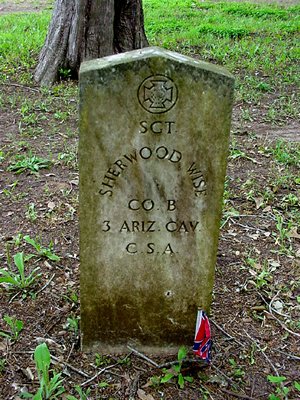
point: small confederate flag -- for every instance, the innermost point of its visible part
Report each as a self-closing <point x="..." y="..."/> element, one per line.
<point x="202" y="341"/>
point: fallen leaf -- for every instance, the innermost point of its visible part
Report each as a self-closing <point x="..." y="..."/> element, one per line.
<point x="293" y="233"/>
<point x="274" y="263"/>
<point x="142" y="395"/>
<point x="267" y="209"/>
<point x="259" y="201"/>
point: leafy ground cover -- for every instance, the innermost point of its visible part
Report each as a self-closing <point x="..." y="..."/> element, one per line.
<point x="256" y="309"/>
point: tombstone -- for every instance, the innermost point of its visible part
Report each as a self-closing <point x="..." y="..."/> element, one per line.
<point x="154" y="132"/>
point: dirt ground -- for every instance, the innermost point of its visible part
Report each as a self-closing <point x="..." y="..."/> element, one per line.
<point x="254" y="314"/>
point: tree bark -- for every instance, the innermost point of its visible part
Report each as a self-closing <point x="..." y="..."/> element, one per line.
<point x="85" y="29"/>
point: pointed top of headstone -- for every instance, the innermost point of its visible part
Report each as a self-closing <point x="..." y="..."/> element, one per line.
<point x="148" y="53"/>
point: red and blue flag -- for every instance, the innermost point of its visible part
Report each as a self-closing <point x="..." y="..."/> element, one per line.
<point x="202" y="341"/>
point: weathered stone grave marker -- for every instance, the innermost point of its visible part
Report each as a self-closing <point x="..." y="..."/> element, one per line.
<point x="154" y="129"/>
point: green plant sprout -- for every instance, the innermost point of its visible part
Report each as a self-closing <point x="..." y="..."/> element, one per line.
<point x="42" y="251"/>
<point x="101" y="360"/>
<point x="286" y="153"/>
<point x="28" y="163"/>
<point x="175" y="371"/>
<point x="283" y="235"/>
<point x="237" y="371"/>
<point x="19" y="280"/>
<point x="73" y="325"/>
<point x="50" y="388"/>
<point x="83" y="395"/>
<point x="15" y="326"/>
<point x="31" y="213"/>
<point x="282" y="391"/>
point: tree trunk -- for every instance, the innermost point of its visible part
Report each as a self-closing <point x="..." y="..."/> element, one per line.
<point x="86" y="29"/>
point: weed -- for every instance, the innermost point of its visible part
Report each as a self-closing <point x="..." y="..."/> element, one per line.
<point x="83" y="394"/>
<point x="246" y="115"/>
<point x="154" y="381"/>
<point x="31" y="213"/>
<point x="17" y="239"/>
<point x="289" y="201"/>
<point x="61" y="115"/>
<point x="261" y="272"/>
<point x="15" y="326"/>
<point x="236" y="154"/>
<point x="10" y="192"/>
<point x="103" y="384"/>
<point x="73" y="325"/>
<point x="237" y="371"/>
<point x="42" y="251"/>
<point x="286" y="153"/>
<point x="124" y="361"/>
<point x="64" y="73"/>
<point x="101" y="360"/>
<point x="282" y="390"/>
<point x="175" y="371"/>
<point x="227" y="214"/>
<point x="69" y="157"/>
<point x="19" y="280"/>
<point x="283" y="229"/>
<point x="72" y="297"/>
<point x="50" y="388"/>
<point x="28" y="163"/>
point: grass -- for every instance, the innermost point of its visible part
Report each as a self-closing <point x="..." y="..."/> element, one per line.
<point x="21" y="38"/>
<point x="257" y="42"/>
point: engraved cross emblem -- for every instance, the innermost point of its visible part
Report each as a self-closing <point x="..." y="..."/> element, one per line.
<point x="157" y="94"/>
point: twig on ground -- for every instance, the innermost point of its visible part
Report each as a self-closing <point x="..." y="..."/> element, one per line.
<point x="14" y="296"/>
<point x="225" y="333"/>
<point x="271" y="309"/>
<point x="98" y="373"/>
<point x="141" y="355"/>
<point x="78" y="371"/>
<point x="289" y="356"/>
<point x="134" y="386"/>
<point x="21" y="86"/>
<point x="245" y="226"/>
<point x="262" y="351"/>
<point x="70" y="352"/>
<point x="282" y="324"/>
<point x="238" y="395"/>
<point x="47" y="284"/>
<point x="222" y="373"/>
<point x="208" y="392"/>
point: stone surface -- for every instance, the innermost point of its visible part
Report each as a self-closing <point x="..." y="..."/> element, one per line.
<point x="154" y="128"/>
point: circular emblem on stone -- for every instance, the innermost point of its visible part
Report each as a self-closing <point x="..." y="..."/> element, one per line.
<point x="157" y="94"/>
